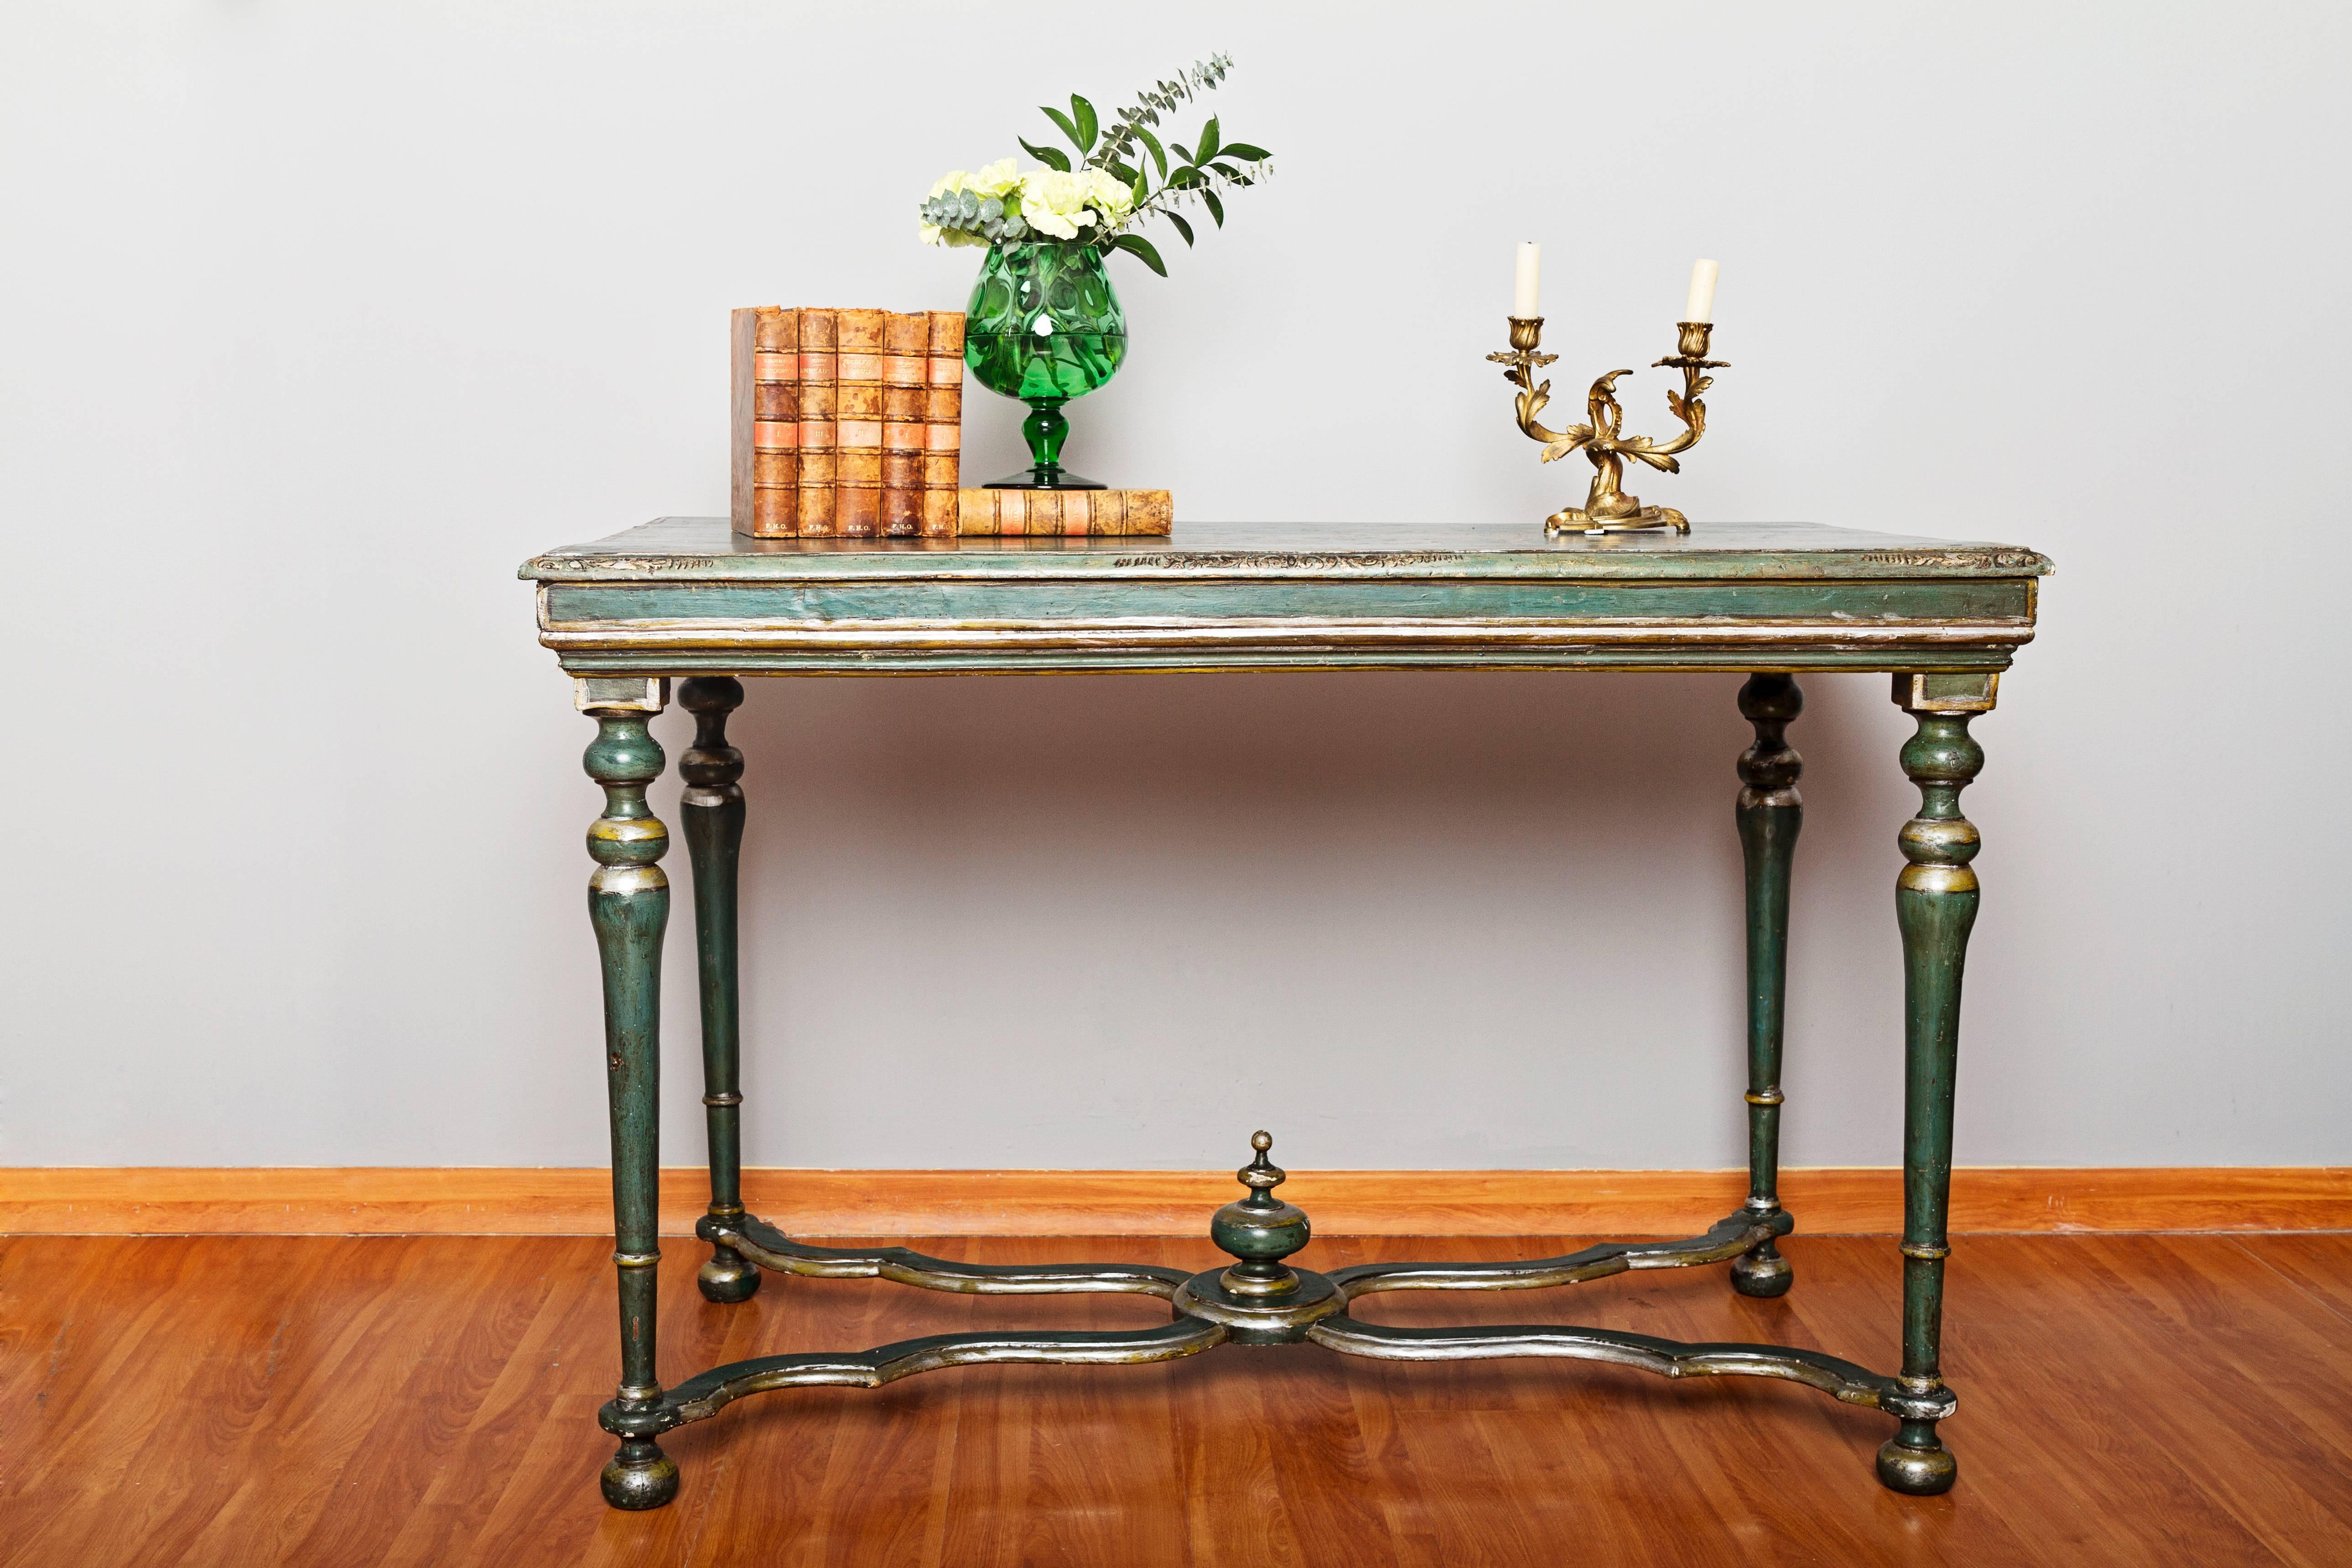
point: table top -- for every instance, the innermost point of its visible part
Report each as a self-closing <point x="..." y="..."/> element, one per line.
<point x="707" y="547"/>
<point x="683" y="596"/>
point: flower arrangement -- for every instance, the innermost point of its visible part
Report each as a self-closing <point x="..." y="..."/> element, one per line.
<point x="1098" y="203"/>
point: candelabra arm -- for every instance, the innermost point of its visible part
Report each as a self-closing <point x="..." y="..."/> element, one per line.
<point x="1684" y="405"/>
<point x="1557" y="442"/>
<point x="1530" y="403"/>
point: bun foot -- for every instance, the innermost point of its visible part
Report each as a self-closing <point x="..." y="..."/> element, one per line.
<point x="728" y="1278"/>
<point x="1916" y="1468"/>
<point x="640" y="1476"/>
<point x="1763" y="1273"/>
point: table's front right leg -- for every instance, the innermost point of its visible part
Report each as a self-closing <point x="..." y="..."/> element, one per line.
<point x="1936" y="906"/>
<point x="712" y="810"/>
<point x="628" y="903"/>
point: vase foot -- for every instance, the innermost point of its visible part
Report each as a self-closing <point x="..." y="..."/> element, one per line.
<point x="1045" y="478"/>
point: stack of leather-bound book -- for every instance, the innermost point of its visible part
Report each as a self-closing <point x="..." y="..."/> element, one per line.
<point x="846" y="423"/>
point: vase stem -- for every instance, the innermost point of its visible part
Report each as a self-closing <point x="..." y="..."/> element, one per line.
<point x="1044" y="430"/>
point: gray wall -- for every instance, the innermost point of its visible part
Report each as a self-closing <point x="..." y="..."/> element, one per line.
<point x="316" y="319"/>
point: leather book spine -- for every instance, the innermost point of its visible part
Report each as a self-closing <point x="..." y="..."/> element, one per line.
<point x="906" y="345"/>
<point x="1067" y="514"/>
<point x="941" y="500"/>
<point x="993" y="514"/>
<point x="819" y="370"/>
<point x="943" y="424"/>
<point x="775" y="425"/>
<point x="857" y="423"/>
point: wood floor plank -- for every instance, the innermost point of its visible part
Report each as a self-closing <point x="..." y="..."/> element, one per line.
<point x="2320" y="1265"/>
<point x="203" y="1465"/>
<point x="39" y="1292"/>
<point x="176" y="1403"/>
<point x="1235" y="1506"/>
<point x="134" y="1468"/>
<point x="2274" y="1366"/>
<point x="566" y="1348"/>
<point x="99" y="1337"/>
<point x="1329" y="1478"/>
<point x="349" y="1346"/>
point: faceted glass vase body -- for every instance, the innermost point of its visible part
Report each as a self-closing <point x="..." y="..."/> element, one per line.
<point x="1045" y="326"/>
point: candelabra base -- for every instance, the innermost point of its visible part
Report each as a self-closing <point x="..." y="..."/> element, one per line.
<point x="1575" y="520"/>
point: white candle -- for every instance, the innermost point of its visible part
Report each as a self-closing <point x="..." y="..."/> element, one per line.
<point x="1702" y="294"/>
<point x="1523" y="292"/>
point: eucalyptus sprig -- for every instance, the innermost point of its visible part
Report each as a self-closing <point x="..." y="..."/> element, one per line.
<point x="1110" y="192"/>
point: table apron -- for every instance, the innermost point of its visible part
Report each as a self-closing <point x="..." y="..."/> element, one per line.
<point x="883" y="636"/>
<point x="1160" y="601"/>
<point x="911" y="647"/>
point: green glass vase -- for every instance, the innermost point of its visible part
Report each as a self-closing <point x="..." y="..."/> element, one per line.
<point x="1044" y="326"/>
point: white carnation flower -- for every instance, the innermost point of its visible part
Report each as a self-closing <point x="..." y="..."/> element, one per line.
<point x="1109" y="194"/>
<point x="1056" y="204"/>
<point x="999" y="179"/>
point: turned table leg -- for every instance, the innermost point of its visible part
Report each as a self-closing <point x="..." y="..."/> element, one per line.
<point x="711" y="811"/>
<point x="628" y="903"/>
<point x="1770" y="812"/>
<point x="1935" y="905"/>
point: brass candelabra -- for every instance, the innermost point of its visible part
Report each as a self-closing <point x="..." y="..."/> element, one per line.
<point x="1607" y="508"/>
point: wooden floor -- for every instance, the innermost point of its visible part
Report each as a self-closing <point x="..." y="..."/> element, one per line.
<point x="2134" y="1399"/>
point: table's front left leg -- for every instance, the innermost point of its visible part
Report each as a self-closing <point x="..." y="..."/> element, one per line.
<point x="628" y="903"/>
<point x="1936" y="906"/>
<point x="712" y="810"/>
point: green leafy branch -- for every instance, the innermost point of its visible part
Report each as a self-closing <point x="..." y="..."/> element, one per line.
<point x="1194" y="176"/>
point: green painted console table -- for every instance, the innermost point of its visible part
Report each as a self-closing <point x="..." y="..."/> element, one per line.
<point x="684" y="597"/>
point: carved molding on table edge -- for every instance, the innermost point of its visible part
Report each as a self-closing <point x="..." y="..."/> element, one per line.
<point x="1996" y="560"/>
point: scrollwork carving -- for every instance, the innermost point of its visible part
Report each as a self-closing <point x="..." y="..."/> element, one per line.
<point x="1988" y="558"/>
<point x="1291" y="562"/>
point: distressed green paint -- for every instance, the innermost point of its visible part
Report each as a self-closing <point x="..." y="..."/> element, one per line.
<point x="1037" y="598"/>
<point x="1934" y="906"/>
<point x="1769" y="812"/>
<point x="628" y="905"/>
<point x="711" y="811"/>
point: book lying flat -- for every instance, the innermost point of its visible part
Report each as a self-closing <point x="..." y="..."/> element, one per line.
<point x="1070" y="514"/>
